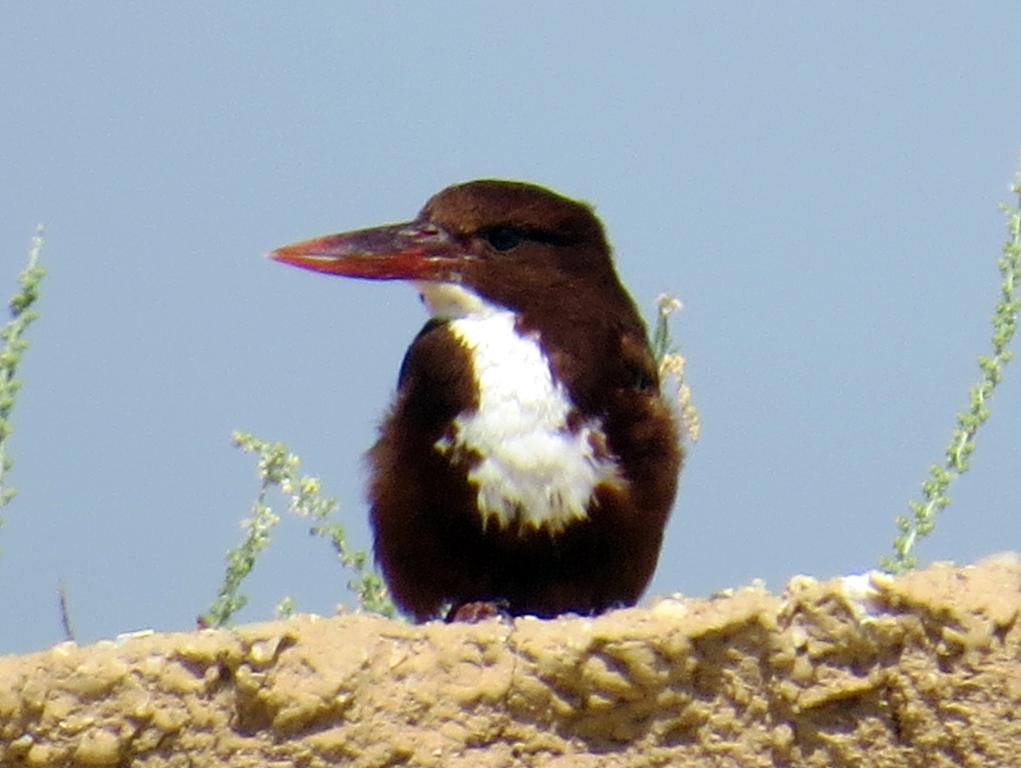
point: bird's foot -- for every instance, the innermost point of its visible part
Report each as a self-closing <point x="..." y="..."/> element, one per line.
<point x="481" y="610"/>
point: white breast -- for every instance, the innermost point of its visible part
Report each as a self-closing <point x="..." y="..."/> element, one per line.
<point x="535" y="471"/>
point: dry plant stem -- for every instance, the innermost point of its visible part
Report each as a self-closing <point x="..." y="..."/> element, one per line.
<point x="65" y="612"/>
<point x="14" y="345"/>
<point x="934" y="490"/>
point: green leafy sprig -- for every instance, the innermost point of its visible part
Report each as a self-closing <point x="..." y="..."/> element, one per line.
<point x="921" y="521"/>
<point x="13" y="347"/>
<point x="279" y="469"/>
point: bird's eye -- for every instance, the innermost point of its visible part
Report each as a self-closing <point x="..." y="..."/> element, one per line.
<point x="504" y="238"/>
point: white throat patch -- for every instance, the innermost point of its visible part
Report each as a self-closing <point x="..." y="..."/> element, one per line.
<point x="535" y="470"/>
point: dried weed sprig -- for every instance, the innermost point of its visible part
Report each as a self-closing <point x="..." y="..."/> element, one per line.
<point x="672" y="364"/>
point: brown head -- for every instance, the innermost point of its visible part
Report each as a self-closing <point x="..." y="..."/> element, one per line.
<point x="511" y="242"/>
<point x="516" y="245"/>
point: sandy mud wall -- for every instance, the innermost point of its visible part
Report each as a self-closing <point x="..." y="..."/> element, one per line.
<point x="924" y="670"/>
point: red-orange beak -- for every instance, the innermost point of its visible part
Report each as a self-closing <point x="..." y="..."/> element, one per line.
<point x="416" y="250"/>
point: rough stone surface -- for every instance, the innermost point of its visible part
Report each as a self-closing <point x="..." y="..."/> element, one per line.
<point x="922" y="670"/>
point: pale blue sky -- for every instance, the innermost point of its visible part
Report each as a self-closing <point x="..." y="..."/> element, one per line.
<point x="817" y="182"/>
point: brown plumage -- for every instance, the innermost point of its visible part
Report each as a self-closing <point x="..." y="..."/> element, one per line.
<point x="528" y="460"/>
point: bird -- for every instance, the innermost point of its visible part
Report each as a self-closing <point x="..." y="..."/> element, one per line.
<point x="528" y="463"/>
